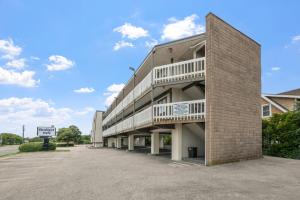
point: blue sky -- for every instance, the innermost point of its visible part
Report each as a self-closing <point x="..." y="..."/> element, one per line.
<point x="61" y="59"/>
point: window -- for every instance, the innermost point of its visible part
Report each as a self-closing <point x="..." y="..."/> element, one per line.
<point x="266" y="110"/>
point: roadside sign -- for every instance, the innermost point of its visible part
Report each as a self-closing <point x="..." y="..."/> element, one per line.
<point x="46" y="131"/>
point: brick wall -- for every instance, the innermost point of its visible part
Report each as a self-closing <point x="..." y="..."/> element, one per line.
<point x="233" y="88"/>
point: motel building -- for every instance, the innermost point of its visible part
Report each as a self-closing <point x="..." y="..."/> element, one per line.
<point x="202" y="92"/>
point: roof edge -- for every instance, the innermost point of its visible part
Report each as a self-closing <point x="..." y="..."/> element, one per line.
<point x="210" y="13"/>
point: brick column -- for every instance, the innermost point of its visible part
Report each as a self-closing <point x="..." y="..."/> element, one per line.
<point x="232" y="92"/>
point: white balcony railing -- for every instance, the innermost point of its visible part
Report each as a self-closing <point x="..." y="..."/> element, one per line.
<point x="144" y="85"/>
<point x="144" y="117"/>
<point x="128" y="124"/>
<point x="162" y="74"/>
<point x="178" y="71"/>
<point x="187" y="110"/>
<point x="110" y="131"/>
<point x="161" y="113"/>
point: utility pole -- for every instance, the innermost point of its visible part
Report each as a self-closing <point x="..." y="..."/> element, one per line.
<point x="23" y="132"/>
<point x="134" y="75"/>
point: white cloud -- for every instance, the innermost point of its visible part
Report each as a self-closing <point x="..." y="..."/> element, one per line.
<point x="24" y="79"/>
<point x="296" y="39"/>
<point x="58" y="63"/>
<point x="111" y="92"/>
<point x="275" y="68"/>
<point x="177" y="29"/>
<point x="122" y="44"/>
<point x="131" y="32"/>
<point x="35" y="112"/>
<point x="85" y="90"/>
<point x="8" y="75"/>
<point x="9" y="50"/>
<point x="34" y="58"/>
<point x="151" y="43"/>
<point x="17" y="63"/>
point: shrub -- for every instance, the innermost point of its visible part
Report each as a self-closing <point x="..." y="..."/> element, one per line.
<point x="65" y="144"/>
<point x="35" y="146"/>
<point x="52" y="146"/>
<point x="281" y="135"/>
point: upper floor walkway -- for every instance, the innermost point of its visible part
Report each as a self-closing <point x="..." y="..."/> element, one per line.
<point x="189" y="70"/>
<point x="167" y="113"/>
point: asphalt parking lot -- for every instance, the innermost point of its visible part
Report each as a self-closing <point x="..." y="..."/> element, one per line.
<point x="84" y="173"/>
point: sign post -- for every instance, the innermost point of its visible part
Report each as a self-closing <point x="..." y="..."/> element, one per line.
<point x="46" y="133"/>
<point x="23" y="132"/>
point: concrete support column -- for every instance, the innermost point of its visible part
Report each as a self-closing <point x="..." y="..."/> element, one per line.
<point x="177" y="142"/>
<point x="119" y="142"/>
<point x="130" y="142"/>
<point x="155" y="143"/>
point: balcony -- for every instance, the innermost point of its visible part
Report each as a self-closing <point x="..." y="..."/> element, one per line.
<point x="161" y="114"/>
<point x="180" y="71"/>
<point x="179" y="111"/>
<point x="189" y="69"/>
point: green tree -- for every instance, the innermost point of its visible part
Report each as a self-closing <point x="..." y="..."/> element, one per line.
<point x="85" y="139"/>
<point x="10" y="139"/>
<point x="77" y="133"/>
<point x="65" y="135"/>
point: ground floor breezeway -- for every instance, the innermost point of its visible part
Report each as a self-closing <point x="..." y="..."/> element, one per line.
<point x="178" y="142"/>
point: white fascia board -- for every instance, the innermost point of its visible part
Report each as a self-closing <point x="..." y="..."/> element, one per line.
<point x="282" y="96"/>
<point x="202" y="43"/>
